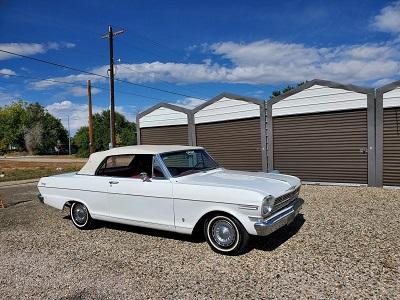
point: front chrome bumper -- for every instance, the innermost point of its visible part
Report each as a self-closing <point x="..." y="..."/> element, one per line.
<point x="279" y="219"/>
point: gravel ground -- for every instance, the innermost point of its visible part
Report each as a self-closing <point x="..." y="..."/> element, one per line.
<point x="344" y="245"/>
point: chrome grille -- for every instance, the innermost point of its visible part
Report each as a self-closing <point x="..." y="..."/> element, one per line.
<point x="285" y="199"/>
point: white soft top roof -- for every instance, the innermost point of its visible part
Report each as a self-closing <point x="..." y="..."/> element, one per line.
<point x="96" y="158"/>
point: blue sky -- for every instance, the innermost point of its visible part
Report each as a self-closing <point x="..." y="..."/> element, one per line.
<point x="196" y="48"/>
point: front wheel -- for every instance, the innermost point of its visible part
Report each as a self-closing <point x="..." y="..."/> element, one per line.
<point x="80" y="215"/>
<point x="225" y="235"/>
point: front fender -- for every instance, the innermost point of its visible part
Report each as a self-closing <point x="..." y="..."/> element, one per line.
<point x="188" y="213"/>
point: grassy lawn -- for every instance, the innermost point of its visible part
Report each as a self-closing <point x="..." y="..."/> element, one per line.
<point x="30" y="170"/>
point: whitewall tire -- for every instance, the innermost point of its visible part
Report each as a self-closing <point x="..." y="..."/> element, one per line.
<point x="225" y="234"/>
<point x="80" y="215"/>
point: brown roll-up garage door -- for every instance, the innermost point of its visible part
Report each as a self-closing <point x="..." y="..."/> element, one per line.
<point x="165" y="135"/>
<point x="323" y="147"/>
<point x="391" y="146"/>
<point x="235" y="144"/>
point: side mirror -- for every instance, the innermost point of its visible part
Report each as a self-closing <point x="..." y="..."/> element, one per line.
<point x="144" y="177"/>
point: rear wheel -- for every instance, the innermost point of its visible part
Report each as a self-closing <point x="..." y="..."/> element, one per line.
<point x="225" y="234"/>
<point x="80" y="215"/>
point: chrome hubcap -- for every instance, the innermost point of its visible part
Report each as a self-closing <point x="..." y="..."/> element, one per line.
<point x="79" y="213"/>
<point x="223" y="233"/>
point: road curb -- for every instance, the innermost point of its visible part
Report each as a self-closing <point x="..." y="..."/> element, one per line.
<point x="18" y="182"/>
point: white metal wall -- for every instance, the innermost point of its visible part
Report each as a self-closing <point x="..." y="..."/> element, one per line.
<point x="319" y="98"/>
<point x="227" y="109"/>
<point x="163" y="117"/>
<point x="391" y="98"/>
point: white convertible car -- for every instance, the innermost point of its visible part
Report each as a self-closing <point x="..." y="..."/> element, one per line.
<point x="175" y="188"/>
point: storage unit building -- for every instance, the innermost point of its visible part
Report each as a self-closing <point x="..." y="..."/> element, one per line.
<point x="232" y="129"/>
<point x="388" y="134"/>
<point x="164" y="124"/>
<point x="323" y="132"/>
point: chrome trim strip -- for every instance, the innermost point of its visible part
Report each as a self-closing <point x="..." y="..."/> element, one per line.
<point x="135" y="195"/>
<point x="116" y="219"/>
<point x="248" y="207"/>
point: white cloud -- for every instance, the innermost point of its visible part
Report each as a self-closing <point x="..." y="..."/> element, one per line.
<point x="189" y="103"/>
<point x="172" y="72"/>
<point x="69" y="45"/>
<point x="388" y="19"/>
<point x="81" y="91"/>
<point x="30" y="48"/>
<point x="262" y="62"/>
<point x="382" y="82"/>
<point x="6" y="73"/>
<point x="68" y="89"/>
<point x="272" y="62"/>
<point x="6" y="97"/>
<point x="266" y="52"/>
<point x="78" y="113"/>
<point x="52" y="81"/>
<point x="371" y="51"/>
<point x="129" y="111"/>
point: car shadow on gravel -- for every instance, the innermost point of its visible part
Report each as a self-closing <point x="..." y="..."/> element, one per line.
<point x="274" y="240"/>
<point x="267" y="243"/>
<point x="195" y="238"/>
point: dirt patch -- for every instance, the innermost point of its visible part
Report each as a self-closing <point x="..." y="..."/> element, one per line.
<point x="19" y="170"/>
<point x="6" y="165"/>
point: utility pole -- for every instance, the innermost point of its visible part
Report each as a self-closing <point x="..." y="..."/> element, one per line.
<point x="110" y="36"/>
<point x="89" y="91"/>
<point x="69" y="139"/>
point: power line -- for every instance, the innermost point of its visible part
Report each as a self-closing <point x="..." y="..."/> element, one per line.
<point x="80" y="85"/>
<point x="95" y="74"/>
<point x="158" y="89"/>
<point x="159" y="79"/>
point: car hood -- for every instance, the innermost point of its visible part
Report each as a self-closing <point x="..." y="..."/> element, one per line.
<point x="264" y="183"/>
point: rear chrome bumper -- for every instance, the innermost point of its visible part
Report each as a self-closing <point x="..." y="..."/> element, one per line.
<point x="40" y="197"/>
<point x="279" y="219"/>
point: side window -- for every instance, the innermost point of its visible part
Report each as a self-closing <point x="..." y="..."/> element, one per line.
<point x="128" y="165"/>
<point x="113" y="165"/>
<point x="157" y="171"/>
<point x="118" y="161"/>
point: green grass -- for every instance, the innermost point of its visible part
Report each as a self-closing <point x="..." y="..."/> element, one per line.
<point x="22" y="174"/>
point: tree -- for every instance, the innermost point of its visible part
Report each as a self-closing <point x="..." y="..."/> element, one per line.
<point x="277" y="93"/>
<point x="81" y="141"/>
<point x="33" y="138"/>
<point x="125" y="132"/>
<point x="29" y="126"/>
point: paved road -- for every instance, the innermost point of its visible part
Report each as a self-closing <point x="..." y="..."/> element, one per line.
<point x="18" y="193"/>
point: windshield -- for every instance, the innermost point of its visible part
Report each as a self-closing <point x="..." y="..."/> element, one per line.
<point x="182" y="163"/>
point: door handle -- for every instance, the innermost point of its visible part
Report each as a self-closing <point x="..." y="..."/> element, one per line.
<point x="113" y="182"/>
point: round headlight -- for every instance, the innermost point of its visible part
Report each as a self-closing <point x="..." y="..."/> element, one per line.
<point x="267" y="206"/>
